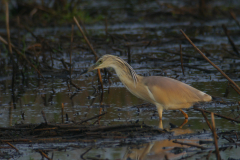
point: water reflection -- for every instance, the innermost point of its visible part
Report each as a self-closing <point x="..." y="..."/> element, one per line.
<point x="163" y="149"/>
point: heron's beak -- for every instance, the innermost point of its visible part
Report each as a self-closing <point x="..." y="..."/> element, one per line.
<point x="93" y="67"/>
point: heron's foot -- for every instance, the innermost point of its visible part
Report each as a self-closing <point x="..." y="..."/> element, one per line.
<point x="185" y="114"/>
<point x="185" y="121"/>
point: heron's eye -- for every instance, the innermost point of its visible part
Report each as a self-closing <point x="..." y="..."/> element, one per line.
<point x="100" y="61"/>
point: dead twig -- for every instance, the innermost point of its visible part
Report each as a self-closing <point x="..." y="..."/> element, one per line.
<point x="106" y="27"/>
<point x="229" y="79"/>
<point x="18" y="52"/>
<point x="85" y="152"/>
<point x="228" y="139"/>
<point x="235" y="88"/>
<point x="93" y="51"/>
<point x="198" y="68"/>
<point x="97" y="120"/>
<point x="185" y="55"/>
<point x="14" y="66"/>
<point x="234" y="17"/>
<point x="215" y="137"/>
<point x="64" y="64"/>
<point x="7" y="27"/>
<point x="62" y="113"/>
<point x="129" y="54"/>
<point x="71" y="51"/>
<point x="218" y="115"/>
<point x="42" y="40"/>
<point x="92" y="117"/>
<point x="45" y="129"/>
<point x="189" y="144"/>
<point x="12" y="146"/>
<point x="230" y="39"/>
<point x="16" y="140"/>
<point x="236" y="135"/>
<point x="209" y="154"/>
<point x="74" y="85"/>
<point x="86" y="39"/>
<point x="44" y="117"/>
<point x="181" y="59"/>
<point x="209" y="125"/>
<point x="205" y="117"/>
<point x="43" y="154"/>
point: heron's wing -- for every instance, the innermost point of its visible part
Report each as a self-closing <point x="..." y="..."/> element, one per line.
<point x="169" y="92"/>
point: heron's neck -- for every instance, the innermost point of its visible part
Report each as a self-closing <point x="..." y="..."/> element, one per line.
<point x="127" y="75"/>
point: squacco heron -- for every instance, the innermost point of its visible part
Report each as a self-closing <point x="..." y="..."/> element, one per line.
<point x="165" y="93"/>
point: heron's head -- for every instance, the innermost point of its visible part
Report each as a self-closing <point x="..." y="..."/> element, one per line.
<point x="120" y="66"/>
<point x="104" y="62"/>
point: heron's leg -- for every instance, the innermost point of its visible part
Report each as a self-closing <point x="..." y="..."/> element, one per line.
<point x="185" y="114"/>
<point x="160" y="124"/>
<point x="146" y="150"/>
<point x="185" y="121"/>
<point x="160" y="110"/>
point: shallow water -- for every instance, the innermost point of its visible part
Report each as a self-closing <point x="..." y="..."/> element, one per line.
<point x="118" y="103"/>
